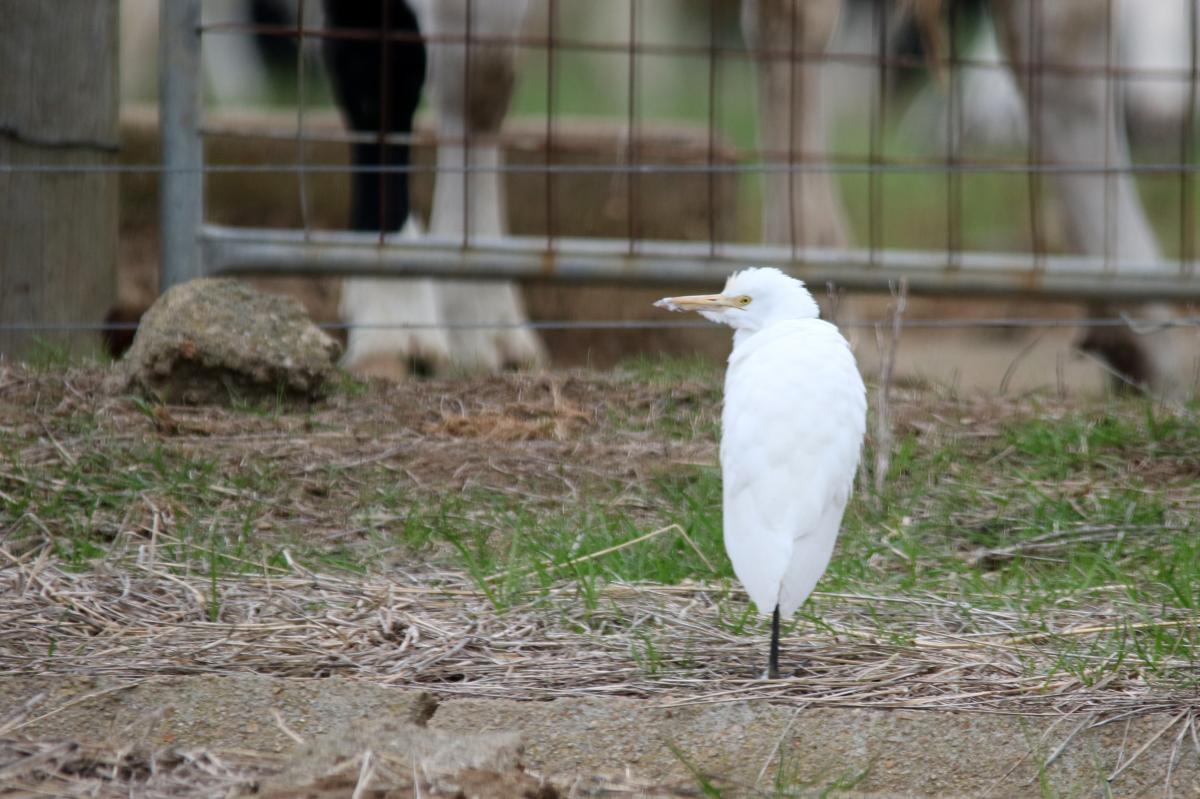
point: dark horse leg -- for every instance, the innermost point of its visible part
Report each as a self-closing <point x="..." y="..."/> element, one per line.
<point x="377" y="83"/>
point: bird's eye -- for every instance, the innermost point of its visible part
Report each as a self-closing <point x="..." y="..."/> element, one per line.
<point x="743" y="300"/>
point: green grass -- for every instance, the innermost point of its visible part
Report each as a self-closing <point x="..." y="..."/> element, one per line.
<point x="1096" y="471"/>
<point x="54" y="352"/>
<point x="668" y="371"/>
<point x="1042" y="507"/>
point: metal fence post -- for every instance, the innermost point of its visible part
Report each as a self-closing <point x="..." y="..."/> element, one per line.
<point x="181" y="187"/>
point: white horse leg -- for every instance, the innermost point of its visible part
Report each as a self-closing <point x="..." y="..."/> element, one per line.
<point x="1076" y="120"/>
<point x="389" y="351"/>
<point x="481" y="212"/>
<point x="804" y="207"/>
<point x="472" y="92"/>
<point x="394" y="323"/>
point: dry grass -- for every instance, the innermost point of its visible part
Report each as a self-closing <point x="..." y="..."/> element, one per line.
<point x="1025" y="556"/>
<point x="31" y="768"/>
<point x="135" y="621"/>
<point x="437" y="631"/>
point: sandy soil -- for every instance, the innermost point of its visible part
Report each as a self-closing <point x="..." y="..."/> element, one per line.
<point x="294" y="737"/>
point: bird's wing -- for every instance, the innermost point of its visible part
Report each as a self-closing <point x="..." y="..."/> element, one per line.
<point x="792" y="429"/>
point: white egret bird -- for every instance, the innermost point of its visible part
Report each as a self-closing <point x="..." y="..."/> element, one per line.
<point x="791" y="434"/>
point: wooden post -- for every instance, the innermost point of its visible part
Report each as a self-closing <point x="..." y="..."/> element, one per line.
<point x="58" y="125"/>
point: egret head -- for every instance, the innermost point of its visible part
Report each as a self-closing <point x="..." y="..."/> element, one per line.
<point x="751" y="300"/>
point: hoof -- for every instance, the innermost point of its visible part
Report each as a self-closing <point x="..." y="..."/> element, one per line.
<point x="394" y="353"/>
<point x="490" y="350"/>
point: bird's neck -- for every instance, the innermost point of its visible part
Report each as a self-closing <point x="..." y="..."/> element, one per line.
<point x="744" y="338"/>
<point x="742" y="335"/>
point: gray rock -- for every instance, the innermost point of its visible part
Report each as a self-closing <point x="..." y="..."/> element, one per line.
<point x="212" y="341"/>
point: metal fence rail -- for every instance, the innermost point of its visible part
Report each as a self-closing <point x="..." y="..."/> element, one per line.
<point x="230" y="250"/>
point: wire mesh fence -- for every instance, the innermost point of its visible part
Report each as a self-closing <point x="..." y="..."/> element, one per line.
<point x="633" y="60"/>
<point x="860" y="203"/>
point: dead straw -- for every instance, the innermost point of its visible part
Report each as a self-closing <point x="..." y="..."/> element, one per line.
<point x="134" y="621"/>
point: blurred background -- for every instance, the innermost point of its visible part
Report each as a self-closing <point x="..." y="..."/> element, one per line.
<point x="661" y="82"/>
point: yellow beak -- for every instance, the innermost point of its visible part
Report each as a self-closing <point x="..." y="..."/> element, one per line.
<point x="697" y="302"/>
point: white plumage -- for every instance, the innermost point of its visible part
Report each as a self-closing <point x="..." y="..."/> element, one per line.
<point x="791" y="434"/>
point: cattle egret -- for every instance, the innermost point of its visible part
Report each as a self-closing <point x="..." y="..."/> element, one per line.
<point x="791" y="434"/>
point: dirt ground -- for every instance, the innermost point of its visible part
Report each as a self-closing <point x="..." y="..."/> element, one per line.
<point x="117" y="677"/>
<point x="288" y="737"/>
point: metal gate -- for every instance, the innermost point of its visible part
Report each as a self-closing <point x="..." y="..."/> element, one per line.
<point x="194" y="248"/>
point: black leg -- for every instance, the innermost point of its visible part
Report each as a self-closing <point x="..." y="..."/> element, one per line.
<point x="368" y="208"/>
<point x="377" y="86"/>
<point x="773" y="663"/>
